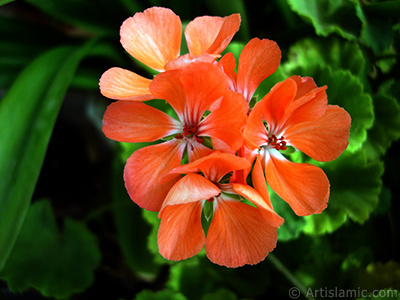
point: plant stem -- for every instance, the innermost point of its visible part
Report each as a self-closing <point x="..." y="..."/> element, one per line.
<point x="281" y="268"/>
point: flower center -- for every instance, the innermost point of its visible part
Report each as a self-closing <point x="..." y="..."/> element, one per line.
<point x="189" y="131"/>
<point x="277" y="143"/>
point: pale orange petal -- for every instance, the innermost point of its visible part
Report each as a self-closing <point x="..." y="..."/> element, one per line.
<point x="260" y="202"/>
<point x="227" y="122"/>
<point x="181" y="234"/>
<point x="153" y="37"/>
<point x="204" y="84"/>
<point x="323" y="139"/>
<point x="186" y="59"/>
<point x="211" y="34"/>
<point x="303" y="186"/>
<point x="121" y="84"/>
<point x="191" y="188"/>
<point x="258" y="60"/>
<point x="144" y="169"/>
<point x="137" y="122"/>
<point x="238" y="235"/>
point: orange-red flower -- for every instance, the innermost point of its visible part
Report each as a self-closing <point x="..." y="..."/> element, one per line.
<point x="205" y="108"/>
<point x="153" y="37"/>
<point x="258" y="60"/>
<point x="238" y="234"/>
<point x="296" y="113"/>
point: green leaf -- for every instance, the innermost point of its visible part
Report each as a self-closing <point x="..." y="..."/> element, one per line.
<point x="220" y="294"/>
<point x="27" y="116"/>
<point x="377" y="20"/>
<point x="161" y="295"/>
<point x="310" y="54"/>
<point x="58" y="264"/>
<point x="3" y="2"/>
<point x="329" y="16"/>
<point x="188" y="277"/>
<point x="355" y="190"/>
<point x="386" y="128"/>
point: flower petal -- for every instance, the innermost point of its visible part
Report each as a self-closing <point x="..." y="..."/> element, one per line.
<point x="181" y="234"/>
<point x="227" y="122"/>
<point x="204" y="83"/>
<point x="228" y="64"/>
<point x="323" y="139"/>
<point x="135" y="122"/>
<point x="144" y="169"/>
<point x="190" y="188"/>
<point x="270" y="216"/>
<point x="276" y="103"/>
<point x="186" y="59"/>
<point x="258" y="60"/>
<point x="255" y="132"/>
<point x="303" y="186"/>
<point x="211" y="34"/>
<point x="168" y="86"/>
<point x="121" y="84"/>
<point x="259" y="182"/>
<point x="153" y="37"/>
<point x="214" y="166"/>
<point x="196" y="150"/>
<point x="310" y="102"/>
<point x="238" y="235"/>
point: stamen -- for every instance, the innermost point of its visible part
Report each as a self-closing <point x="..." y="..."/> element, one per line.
<point x="277" y="143"/>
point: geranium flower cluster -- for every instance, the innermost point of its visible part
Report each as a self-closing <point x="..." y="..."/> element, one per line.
<point x="197" y="177"/>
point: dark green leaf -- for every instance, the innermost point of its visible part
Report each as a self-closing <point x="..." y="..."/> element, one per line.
<point x="329" y="16"/>
<point x="57" y="264"/>
<point x="355" y="189"/>
<point x="386" y="128"/>
<point x="2" y="2"/>
<point x="188" y="277"/>
<point x="220" y="294"/>
<point x="27" y="116"/>
<point x="161" y="295"/>
<point x="378" y="20"/>
<point x="334" y="53"/>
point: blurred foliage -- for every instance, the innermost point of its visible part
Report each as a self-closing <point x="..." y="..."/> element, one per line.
<point x="88" y="240"/>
